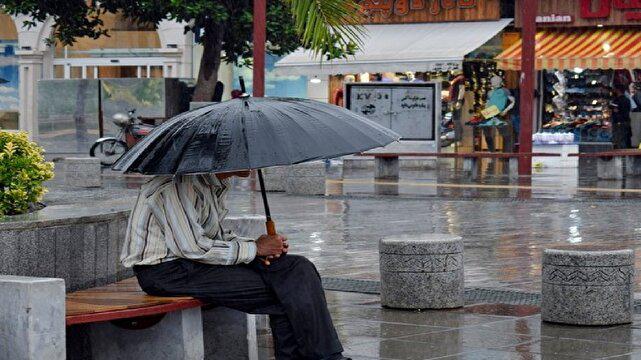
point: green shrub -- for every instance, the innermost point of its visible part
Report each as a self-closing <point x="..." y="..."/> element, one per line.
<point x="23" y="169"/>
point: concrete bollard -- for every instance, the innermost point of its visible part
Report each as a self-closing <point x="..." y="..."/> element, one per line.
<point x="587" y="285"/>
<point x="275" y="178"/>
<point x="422" y="271"/>
<point x="82" y="172"/>
<point x="32" y="318"/>
<point x="306" y="179"/>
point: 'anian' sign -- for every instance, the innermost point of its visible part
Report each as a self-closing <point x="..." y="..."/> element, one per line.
<point x="554" y="19"/>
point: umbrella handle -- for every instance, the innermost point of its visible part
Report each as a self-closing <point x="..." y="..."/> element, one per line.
<point x="271" y="227"/>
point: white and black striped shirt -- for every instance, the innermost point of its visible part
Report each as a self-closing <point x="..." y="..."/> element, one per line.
<point x="180" y="217"/>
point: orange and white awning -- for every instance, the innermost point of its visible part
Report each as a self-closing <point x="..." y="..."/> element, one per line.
<point x="579" y="48"/>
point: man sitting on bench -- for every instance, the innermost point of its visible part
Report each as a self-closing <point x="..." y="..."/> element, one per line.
<point x="177" y="246"/>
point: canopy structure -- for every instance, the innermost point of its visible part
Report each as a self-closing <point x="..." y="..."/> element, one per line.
<point x="400" y="48"/>
<point x="579" y="48"/>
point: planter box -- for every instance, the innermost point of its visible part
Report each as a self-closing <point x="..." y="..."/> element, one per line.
<point x="76" y="243"/>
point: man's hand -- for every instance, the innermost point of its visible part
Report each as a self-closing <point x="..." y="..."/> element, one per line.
<point x="271" y="247"/>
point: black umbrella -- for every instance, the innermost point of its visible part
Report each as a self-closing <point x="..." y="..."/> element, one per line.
<point x="253" y="133"/>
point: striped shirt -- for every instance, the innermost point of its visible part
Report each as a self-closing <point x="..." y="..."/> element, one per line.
<point x="180" y="217"/>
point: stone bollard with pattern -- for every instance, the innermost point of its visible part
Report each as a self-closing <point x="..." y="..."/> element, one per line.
<point x="422" y="271"/>
<point x="587" y="285"/>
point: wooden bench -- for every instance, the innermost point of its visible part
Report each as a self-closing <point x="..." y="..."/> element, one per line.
<point x="387" y="164"/>
<point x="119" y="301"/>
<point x="122" y="322"/>
<point x="610" y="163"/>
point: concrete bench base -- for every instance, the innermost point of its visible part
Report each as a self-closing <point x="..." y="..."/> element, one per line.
<point x="633" y="165"/>
<point x="179" y="335"/>
<point x="587" y="285"/>
<point x="386" y="168"/>
<point x="610" y="168"/>
<point x="32" y="318"/>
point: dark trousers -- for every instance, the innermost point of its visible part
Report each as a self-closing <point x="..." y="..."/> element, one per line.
<point x="289" y="290"/>
<point x="622" y="135"/>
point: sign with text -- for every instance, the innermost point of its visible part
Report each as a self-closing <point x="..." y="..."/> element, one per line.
<point x="407" y="108"/>
<point x="408" y="11"/>
<point x="584" y="13"/>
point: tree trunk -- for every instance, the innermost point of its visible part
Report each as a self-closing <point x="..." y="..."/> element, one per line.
<point x="209" y="63"/>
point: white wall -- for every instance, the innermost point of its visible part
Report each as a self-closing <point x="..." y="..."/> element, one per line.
<point x="319" y="91"/>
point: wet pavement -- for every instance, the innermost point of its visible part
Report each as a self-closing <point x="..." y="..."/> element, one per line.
<point x="505" y="227"/>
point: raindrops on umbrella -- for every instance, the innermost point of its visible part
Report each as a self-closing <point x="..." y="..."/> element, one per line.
<point x="253" y="133"/>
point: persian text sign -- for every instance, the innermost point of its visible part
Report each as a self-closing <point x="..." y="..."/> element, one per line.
<point x="407" y="11"/>
<point x="602" y="9"/>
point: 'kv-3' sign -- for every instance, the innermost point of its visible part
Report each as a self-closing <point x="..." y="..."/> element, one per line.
<point x="600" y="9"/>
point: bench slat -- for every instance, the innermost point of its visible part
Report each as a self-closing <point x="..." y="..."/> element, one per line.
<point x="459" y="155"/>
<point x="120" y="300"/>
<point x="609" y="153"/>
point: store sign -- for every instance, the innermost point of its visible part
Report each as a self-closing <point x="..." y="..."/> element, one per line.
<point x="407" y="108"/>
<point x="403" y="7"/>
<point x="554" y="19"/>
<point x="602" y="9"/>
<point x="583" y="13"/>
<point x="401" y="11"/>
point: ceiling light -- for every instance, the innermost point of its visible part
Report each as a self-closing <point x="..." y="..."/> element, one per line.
<point x="315" y="80"/>
<point x="606" y="47"/>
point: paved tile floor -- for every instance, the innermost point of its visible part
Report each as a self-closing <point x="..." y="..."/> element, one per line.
<point x="505" y="227"/>
<point x="482" y="331"/>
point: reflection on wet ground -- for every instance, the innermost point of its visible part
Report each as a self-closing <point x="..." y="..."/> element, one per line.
<point x="485" y="331"/>
<point x="505" y="227"/>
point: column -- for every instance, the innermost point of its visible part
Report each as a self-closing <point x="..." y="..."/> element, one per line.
<point x="31" y="68"/>
<point x="32" y="317"/>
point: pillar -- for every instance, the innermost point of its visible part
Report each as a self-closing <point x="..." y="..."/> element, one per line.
<point x="31" y="70"/>
<point x="528" y="8"/>
<point x="32" y="317"/>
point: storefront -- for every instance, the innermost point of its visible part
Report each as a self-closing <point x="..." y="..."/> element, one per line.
<point x="449" y="42"/>
<point x="586" y="52"/>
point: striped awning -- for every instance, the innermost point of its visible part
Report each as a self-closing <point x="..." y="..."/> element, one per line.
<point x="582" y="48"/>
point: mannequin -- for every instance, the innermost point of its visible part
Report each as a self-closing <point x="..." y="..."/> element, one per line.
<point x="504" y="101"/>
<point x="457" y="100"/>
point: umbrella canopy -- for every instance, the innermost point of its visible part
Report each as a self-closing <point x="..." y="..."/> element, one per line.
<point x="252" y="133"/>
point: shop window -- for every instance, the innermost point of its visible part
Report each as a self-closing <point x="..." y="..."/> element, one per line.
<point x="127" y="40"/>
<point x="579" y="101"/>
<point x="123" y="34"/>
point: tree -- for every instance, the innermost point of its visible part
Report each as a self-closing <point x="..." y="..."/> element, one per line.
<point x="224" y="26"/>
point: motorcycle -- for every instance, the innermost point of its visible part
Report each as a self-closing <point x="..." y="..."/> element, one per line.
<point x="131" y="130"/>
